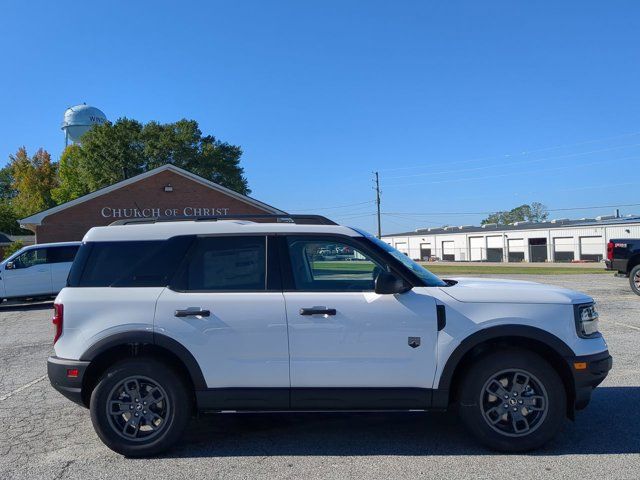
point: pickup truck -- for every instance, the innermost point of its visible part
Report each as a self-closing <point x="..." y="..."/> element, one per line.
<point x="623" y="256"/>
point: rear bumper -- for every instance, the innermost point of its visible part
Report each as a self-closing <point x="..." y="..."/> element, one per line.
<point x="587" y="379"/>
<point x="59" y="371"/>
<point x="617" y="265"/>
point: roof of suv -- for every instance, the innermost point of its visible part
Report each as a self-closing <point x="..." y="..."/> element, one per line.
<point x="164" y="230"/>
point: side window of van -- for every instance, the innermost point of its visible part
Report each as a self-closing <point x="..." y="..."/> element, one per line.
<point x="61" y="254"/>
<point x="30" y="258"/>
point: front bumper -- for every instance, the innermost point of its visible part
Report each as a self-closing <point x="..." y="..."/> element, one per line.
<point x="66" y="377"/>
<point x="588" y="372"/>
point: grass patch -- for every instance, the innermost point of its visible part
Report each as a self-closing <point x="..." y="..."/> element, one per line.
<point x="335" y="267"/>
<point x="343" y="266"/>
<point x="493" y="269"/>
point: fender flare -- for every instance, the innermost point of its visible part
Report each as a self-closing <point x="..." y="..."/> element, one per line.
<point x="498" y="331"/>
<point x="150" y="338"/>
<point x="633" y="260"/>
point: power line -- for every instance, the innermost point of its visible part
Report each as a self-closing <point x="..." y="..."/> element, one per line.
<point x="351" y="217"/>
<point x="567" y="209"/>
<point x="535" y="192"/>
<point x="499" y="175"/>
<point x="529" y="152"/>
<point x="403" y="225"/>
<point x="408" y="217"/>
<point x="334" y="207"/>
<point x="588" y="208"/>
<point x="355" y="211"/>
<point x="537" y="160"/>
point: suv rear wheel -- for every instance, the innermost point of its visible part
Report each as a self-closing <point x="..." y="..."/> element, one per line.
<point x="140" y="407"/>
<point x="512" y="401"/>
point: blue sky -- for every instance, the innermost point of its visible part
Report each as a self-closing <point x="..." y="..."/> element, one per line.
<point x="463" y="107"/>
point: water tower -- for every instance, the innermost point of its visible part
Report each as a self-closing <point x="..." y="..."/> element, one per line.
<point x="79" y="119"/>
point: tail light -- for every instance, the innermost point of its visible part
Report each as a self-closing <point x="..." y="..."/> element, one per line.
<point x="610" y="251"/>
<point x="57" y="320"/>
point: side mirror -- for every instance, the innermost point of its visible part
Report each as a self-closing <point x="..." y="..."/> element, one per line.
<point x="9" y="266"/>
<point x="387" y="284"/>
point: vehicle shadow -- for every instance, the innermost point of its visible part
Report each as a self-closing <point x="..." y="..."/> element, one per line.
<point x="610" y="425"/>
<point x="21" y="307"/>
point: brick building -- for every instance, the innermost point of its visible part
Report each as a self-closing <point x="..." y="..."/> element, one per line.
<point x="166" y="191"/>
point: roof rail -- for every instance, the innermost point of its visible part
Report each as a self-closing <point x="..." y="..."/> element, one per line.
<point x="297" y="219"/>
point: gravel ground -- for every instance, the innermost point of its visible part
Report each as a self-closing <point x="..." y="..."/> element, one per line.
<point x="44" y="436"/>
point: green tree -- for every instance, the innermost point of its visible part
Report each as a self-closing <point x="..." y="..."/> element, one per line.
<point x="34" y="178"/>
<point x="114" y="151"/>
<point x="9" y="220"/>
<point x="12" y="247"/>
<point x="71" y="176"/>
<point x="536" y="212"/>
<point x="182" y="144"/>
<point x="7" y="192"/>
<point x="111" y="152"/>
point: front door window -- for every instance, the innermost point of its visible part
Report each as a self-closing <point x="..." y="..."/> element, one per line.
<point x="330" y="266"/>
<point x="36" y="256"/>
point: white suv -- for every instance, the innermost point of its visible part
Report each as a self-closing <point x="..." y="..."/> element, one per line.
<point x="161" y="320"/>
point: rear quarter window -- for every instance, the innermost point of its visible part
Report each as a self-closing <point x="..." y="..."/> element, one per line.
<point x="128" y="263"/>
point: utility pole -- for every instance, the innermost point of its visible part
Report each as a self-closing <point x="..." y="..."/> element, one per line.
<point x="377" y="180"/>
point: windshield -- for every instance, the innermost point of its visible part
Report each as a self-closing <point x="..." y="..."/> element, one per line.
<point x="425" y="275"/>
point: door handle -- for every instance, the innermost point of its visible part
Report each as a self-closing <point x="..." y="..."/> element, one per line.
<point x="317" y="311"/>
<point x="192" y="312"/>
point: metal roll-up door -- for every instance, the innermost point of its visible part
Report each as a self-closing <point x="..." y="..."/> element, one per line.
<point x="495" y="251"/>
<point x="477" y="249"/>
<point x="592" y="248"/>
<point x="563" y="249"/>
<point x="515" y="247"/>
<point x="449" y="251"/>
<point x="402" y="247"/>
<point x="425" y="252"/>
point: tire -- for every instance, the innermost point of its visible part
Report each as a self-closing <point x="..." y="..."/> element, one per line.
<point x="634" y="279"/>
<point x="164" y="407"/>
<point x="505" y="429"/>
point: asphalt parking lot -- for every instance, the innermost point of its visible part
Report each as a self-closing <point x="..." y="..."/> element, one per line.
<point x="44" y="436"/>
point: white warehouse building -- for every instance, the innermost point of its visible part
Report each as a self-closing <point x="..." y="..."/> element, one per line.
<point x="561" y="240"/>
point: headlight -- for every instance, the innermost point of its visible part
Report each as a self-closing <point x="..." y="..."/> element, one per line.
<point x="586" y="320"/>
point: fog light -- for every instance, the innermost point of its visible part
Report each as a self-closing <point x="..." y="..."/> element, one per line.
<point x="72" y="372"/>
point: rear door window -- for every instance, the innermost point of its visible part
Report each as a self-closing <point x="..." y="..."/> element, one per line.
<point x="61" y="254"/>
<point x="230" y="263"/>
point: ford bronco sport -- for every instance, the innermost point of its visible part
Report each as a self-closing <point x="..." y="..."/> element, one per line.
<point x="164" y="319"/>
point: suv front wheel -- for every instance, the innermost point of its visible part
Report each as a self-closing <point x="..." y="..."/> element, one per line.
<point x="512" y="401"/>
<point x="140" y="407"/>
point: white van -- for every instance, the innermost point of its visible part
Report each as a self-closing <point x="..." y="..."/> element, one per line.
<point x="37" y="270"/>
